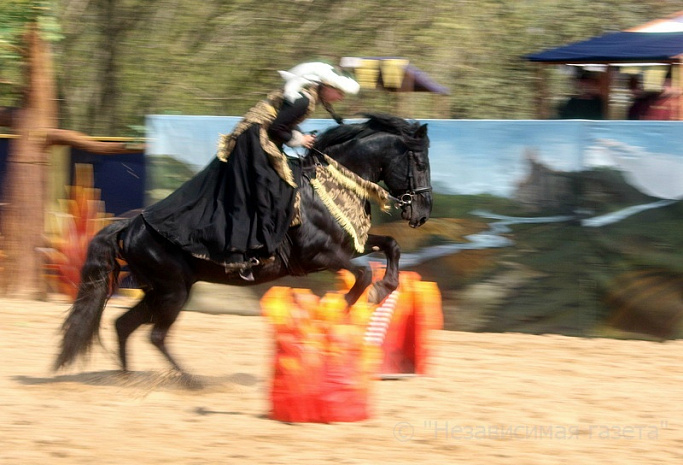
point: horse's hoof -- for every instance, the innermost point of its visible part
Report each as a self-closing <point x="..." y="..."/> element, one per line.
<point x="374" y="295"/>
<point x="191" y="382"/>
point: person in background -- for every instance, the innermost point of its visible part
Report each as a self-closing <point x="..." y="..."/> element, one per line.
<point x="667" y="104"/>
<point x="641" y="100"/>
<point x="587" y="103"/>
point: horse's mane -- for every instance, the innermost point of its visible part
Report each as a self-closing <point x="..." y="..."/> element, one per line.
<point x="377" y="122"/>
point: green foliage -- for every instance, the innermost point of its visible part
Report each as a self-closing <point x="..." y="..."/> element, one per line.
<point x="123" y="59"/>
<point x="15" y="15"/>
<point x="461" y="206"/>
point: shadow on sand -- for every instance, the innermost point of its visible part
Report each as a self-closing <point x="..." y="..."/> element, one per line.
<point x="147" y="380"/>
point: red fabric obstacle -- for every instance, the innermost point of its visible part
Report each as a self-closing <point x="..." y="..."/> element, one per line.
<point x="322" y="367"/>
<point x="326" y="357"/>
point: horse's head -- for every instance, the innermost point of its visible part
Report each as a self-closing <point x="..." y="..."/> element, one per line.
<point x="388" y="149"/>
<point x="407" y="175"/>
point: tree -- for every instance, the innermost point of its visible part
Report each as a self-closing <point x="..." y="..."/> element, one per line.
<point x="34" y="121"/>
<point x="216" y="57"/>
<point x="96" y="32"/>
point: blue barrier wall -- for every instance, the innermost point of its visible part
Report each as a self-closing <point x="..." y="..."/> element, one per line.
<point x="568" y="227"/>
<point x="480" y="156"/>
<point x="4" y="152"/>
<point x="121" y="178"/>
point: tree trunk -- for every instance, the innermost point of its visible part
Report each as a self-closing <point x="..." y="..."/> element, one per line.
<point x="22" y="220"/>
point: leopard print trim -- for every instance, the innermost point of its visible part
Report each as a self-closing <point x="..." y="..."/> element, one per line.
<point x="344" y="195"/>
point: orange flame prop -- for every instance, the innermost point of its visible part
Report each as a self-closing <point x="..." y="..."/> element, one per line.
<point x="81" y="216"/>
<point x="324" y="363"/>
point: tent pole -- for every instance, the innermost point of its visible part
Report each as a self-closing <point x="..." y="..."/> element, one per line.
<point x="605" y="87"/>
<point x="677" y="83"/>
<point x="541" y="84"/>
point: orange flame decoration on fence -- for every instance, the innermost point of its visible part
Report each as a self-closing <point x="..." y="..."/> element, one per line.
<point x="326" y="356"/>
<point x="80" y="217"/>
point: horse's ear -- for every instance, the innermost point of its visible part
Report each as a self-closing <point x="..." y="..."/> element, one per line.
<point x="421" y="132"/>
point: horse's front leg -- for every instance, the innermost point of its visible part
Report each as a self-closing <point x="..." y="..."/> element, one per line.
<point x="389" y="282"/>
<point x="363" y="275"/>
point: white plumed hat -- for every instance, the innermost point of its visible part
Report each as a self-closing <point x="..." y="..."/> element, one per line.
<point x="315" y="72"/>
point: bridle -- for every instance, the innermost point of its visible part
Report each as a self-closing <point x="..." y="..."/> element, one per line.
<point x="406" y="198"/>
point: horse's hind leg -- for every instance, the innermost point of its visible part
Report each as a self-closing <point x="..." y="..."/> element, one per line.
<point x="158" y="308"/>
<point x="127" y="323"/>
<point x="167" y="305"/>
<point x="166" y="276"/>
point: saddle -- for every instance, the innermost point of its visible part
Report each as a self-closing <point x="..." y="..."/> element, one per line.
<point x="344" y="194"/>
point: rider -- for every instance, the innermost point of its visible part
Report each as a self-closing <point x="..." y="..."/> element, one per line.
<point x="237" y="210"/>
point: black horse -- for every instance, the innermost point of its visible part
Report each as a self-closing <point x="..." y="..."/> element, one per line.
<point x="384" y="148"/>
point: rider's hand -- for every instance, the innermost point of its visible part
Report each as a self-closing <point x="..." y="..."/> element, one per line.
<point x="308" y="140"/>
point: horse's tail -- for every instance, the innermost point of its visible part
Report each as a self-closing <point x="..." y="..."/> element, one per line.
<point x="99" y="277"/>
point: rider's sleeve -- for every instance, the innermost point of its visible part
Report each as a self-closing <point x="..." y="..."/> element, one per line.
<point x="284" y="129"/>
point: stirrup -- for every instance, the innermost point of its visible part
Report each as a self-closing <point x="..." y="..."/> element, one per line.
<point x="245" y="271"/>
<point x="246" y="274"/>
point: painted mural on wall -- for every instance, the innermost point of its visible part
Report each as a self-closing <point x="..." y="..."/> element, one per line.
<point x="569" y="227"/>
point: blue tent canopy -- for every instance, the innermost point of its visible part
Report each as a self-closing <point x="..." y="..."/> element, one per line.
<point x="617" y="47"/>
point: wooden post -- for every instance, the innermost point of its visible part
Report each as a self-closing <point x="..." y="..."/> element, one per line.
<point x="22" y="222"/>
<point x="441" y="106"/>
<point x="403" y="99"/>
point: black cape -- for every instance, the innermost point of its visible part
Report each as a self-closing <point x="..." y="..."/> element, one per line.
<point x="230" y="211"/>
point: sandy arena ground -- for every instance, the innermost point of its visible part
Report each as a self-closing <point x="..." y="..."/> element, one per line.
<point x="493" y="399"/>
